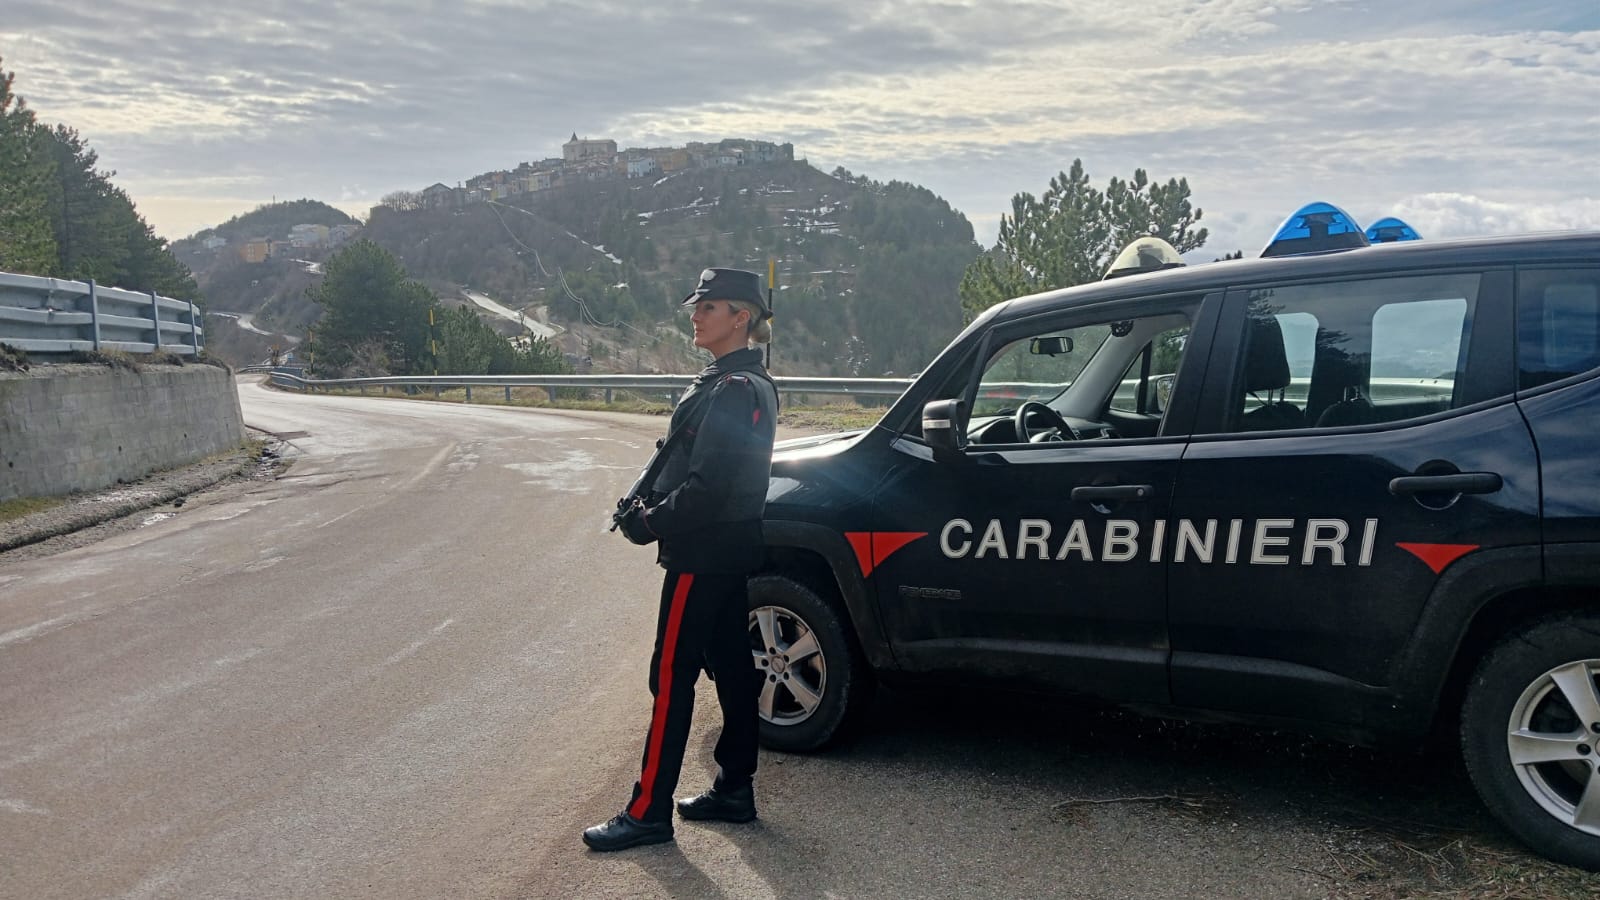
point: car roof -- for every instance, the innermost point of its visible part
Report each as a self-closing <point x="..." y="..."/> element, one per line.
<point x="1554" y="247"/>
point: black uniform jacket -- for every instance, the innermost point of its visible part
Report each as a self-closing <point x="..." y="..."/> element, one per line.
<point x="708" y="499"/>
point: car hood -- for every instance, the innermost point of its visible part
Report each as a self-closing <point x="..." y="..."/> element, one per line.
<point x="796" y="448"/>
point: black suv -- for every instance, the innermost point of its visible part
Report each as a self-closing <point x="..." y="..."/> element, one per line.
<point x="1354" y="492"/>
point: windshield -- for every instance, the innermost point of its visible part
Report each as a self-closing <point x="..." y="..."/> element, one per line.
<point x="1037" y="368"/>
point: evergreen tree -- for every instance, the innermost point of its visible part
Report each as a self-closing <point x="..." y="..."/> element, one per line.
<point x="464" y="348"/>
<point x="92" y="231"/>
<point x="98" y="232"/>
<point x="1071" y="234"/>
<point x="27" y="245"/>
<point x="468" y="346"/>
<point x="148" y="264"/>
<point x="366" y="296"/>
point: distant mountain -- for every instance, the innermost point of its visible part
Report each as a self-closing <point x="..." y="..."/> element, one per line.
<point x="867" y="272"/>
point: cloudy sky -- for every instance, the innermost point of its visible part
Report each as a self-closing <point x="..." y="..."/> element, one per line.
<point x="1462" y="116"/>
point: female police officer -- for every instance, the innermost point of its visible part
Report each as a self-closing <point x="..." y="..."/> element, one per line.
<point x="705" y="509"/>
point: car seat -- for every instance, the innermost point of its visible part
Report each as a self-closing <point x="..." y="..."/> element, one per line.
<point x="1354" y="409"/>
<point x="1266" y="369"/>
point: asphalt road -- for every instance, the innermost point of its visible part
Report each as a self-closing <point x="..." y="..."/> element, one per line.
<point x="415" y="666"/>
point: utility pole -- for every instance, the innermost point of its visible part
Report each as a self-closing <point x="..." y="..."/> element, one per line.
<point x="772" y="275"/>
<point x="433" y="346"/>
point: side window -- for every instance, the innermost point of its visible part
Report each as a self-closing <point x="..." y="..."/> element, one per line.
<point x="1147" y="384"/>
<point x="1075" y="368"/>
<point x="1352" y="353"/>
<point x="1409" y="337"/>
<point x="1558" y="324"/>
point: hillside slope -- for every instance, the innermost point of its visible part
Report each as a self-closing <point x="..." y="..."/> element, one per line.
<point x="867" y="273"/>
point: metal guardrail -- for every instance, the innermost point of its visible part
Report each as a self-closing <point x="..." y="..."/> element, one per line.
<point x="52" y="315"/>
<point x="668" y="384"/>
<point x="1383" y="389"/>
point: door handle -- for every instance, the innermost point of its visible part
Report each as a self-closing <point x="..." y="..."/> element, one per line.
<point x="1463" y="483"/>
<point x="1113" y="492"/>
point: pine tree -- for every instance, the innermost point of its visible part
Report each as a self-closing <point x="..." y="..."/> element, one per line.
<point x="98" y="231"/>
<point x="91" y="232"/>
<point x="366" y="296"/>
<point x="1071" y="234"/>
<point x="27" y="244"/>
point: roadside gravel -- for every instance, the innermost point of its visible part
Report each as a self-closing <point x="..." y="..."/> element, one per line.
<point x="90" y="516"/>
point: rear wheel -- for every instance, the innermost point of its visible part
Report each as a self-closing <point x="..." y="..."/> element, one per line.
<point x="1530" y="732"/>
<point x="814" y="681"/>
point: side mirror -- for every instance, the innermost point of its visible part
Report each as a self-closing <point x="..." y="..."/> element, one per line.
<point x="1050" y="346"/>
<point x="1163" y="398"/>
<point x="944" y="428"/>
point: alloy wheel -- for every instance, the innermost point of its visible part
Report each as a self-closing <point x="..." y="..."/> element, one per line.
<point x="794" y="671"/>
<point x="1554" y="743"/>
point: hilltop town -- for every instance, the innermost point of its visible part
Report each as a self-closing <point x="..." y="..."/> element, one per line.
<point x="582" y="160"/>
<point x="585" y="160"/>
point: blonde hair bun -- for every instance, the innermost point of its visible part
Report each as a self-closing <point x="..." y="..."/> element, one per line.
<point x="760" y="332"/>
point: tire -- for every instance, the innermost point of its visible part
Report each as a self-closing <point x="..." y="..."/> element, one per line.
<point x="1530" y="733"/>
<point x="816" y="683"/>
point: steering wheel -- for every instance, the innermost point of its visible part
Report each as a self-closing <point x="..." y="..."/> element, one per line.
<point x="1054" y="421"/>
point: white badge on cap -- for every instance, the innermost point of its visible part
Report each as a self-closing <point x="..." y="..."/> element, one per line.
<point x="708" y="275"/>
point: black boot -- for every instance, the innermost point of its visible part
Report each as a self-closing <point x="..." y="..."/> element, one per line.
<point x="623" y="831"/>
<point x="717" y="805"/>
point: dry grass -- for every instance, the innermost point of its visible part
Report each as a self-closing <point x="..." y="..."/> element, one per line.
<point x="113" y="359"/>
<point x="27" y="506"/>
<point x="1389" y="861"/>
<point x="13" y="359"/>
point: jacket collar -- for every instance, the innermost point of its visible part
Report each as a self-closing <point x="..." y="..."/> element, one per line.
<point x="738" y="359"/>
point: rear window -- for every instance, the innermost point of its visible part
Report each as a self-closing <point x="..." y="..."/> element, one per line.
<point x="1357" y="352"/>
<point x="1558" y="324"/>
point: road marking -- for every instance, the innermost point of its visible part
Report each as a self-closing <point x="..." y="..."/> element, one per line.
<point x="38" y="628"/>
<point x="340" y="516"/>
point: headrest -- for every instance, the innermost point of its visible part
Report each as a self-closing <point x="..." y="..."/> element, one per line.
<point x="1266" y="363"/>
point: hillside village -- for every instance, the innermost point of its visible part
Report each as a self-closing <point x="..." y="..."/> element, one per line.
<point x="598" y="160"/>
<point x="582" y="160"/>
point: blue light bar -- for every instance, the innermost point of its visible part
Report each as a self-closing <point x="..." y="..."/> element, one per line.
<point x="1390" y="229"/>
<point x="1315" y="228"/>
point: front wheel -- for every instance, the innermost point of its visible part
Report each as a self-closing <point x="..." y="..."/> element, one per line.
<point x="1530" y="732"/>
<point x="813" y="680"/>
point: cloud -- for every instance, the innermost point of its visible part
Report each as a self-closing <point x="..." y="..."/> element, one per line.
<point x="1454" y="215"/>
<point x="1262" y="104"/>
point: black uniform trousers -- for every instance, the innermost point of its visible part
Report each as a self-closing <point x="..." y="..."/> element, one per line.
<point x="704" y="622"/>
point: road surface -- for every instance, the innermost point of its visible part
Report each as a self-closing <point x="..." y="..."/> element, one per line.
<point x="538" y="328"/>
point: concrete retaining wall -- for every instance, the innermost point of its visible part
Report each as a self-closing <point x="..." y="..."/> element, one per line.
<point x="78" y="427"/>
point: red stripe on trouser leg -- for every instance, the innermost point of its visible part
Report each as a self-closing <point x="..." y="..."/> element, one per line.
<point x="658" y="719"/>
